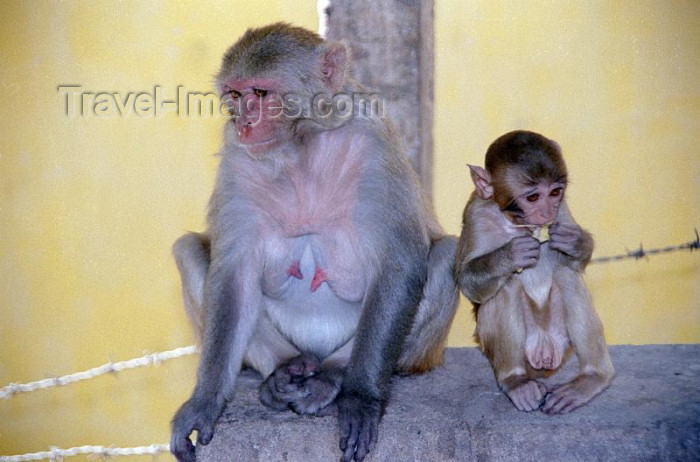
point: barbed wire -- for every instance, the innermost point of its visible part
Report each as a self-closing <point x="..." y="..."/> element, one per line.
<point x="641" y="253"/>
<point x="101" y="451"/>
<point x="148" y="360"/>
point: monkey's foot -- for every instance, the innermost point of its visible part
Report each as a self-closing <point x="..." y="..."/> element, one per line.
<point x="286" y="383"/>
<point x="301" y="385"/>
<point x="529" y="396"/>
<point x="571" y="395"/>
<point x="544" y="350"/>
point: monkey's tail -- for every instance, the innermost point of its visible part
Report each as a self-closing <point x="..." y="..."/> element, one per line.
<point x="425" y="345"/>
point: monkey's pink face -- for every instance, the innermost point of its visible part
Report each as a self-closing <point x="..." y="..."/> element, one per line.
<point x="258" y="114"/>
<point x="537" y="205"/>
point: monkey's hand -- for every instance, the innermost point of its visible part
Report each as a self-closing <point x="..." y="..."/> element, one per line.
<point x="195" y="414"/>
<point x="571" y="240"/>
<point x="358" y="418"/>
<point x="522" y="252"/>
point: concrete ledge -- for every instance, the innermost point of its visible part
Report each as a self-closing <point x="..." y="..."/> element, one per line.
<point x="651" y="412"/>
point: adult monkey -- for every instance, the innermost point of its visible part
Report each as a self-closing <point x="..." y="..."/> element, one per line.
<point x="323" y="267"/>
<point x="531" y="304"/>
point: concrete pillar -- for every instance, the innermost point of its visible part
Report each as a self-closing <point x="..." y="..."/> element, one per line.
<point x="392" y="54"/>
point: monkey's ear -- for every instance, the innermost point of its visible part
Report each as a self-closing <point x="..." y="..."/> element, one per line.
<point x="482" y="182"/>
<point x="333" y="64"/>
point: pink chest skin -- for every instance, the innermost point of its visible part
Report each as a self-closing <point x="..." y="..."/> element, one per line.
<point x="308" y="222"/>
<point x="318" y="279"/>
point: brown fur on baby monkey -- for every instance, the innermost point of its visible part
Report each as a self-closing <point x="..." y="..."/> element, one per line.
<point x="531" y="304"/>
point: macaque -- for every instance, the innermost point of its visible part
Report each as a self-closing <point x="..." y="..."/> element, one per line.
<point x="531" y="304"/>
<point x="323" y="266"/>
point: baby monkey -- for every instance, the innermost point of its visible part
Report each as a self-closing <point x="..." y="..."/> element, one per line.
<point x="531" y="304"/>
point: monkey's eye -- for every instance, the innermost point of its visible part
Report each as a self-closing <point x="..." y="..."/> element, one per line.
<point x="556" y="192"/>
<point x="260" y="93"/>
<point x="235" y="94"/>
<point x="533" y="197"/>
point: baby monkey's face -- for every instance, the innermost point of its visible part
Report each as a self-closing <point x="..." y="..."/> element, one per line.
<point x="536" y="204"/>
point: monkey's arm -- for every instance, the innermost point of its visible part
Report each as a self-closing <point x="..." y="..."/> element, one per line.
<point x="231" y="307"/>
<point x="388" y="314"/>
<point x="574" y="244"/>
<point x="487" y="255"/>
<point x="480" y="278"/>
<point x="397" y="272"/>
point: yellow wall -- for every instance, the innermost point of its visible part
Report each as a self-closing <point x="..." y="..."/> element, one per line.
<point x="89" y="206"/>
<point x="617" y="84"/>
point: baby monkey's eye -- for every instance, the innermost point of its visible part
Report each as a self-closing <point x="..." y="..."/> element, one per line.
<point x="556" y="192"/>
<point x="260" y="93"/>
<point x="533" y="197"/>
<point x="235" y="94"/>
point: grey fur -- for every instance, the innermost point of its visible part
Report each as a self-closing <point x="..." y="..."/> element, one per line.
<point x="401" y="260"/>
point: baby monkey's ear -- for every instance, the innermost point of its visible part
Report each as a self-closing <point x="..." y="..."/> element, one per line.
<point x="482" y="181"/>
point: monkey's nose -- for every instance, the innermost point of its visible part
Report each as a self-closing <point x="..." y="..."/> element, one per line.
<point x="245" y="130"/>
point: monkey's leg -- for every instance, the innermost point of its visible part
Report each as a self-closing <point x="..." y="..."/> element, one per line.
<point x="425" y="344"/>
<point x="501" y="332"/>
<point x="588" y="340"/>
<point x="191" y="253"/>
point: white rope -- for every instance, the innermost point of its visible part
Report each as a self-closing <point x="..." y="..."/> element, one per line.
<point x="147" y="360"/>
<point x="102" y="451"/>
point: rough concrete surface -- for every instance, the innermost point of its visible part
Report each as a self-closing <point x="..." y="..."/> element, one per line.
<point x="651" y="412"/>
